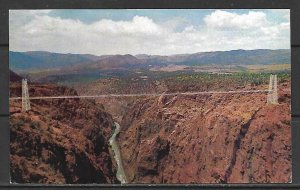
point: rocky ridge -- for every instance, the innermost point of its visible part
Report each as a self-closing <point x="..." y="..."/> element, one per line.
<point x="219" y="138"/>
<point x="60" y="140"/>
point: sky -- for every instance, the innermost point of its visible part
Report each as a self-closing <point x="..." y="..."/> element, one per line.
<point x="148" y="31"/>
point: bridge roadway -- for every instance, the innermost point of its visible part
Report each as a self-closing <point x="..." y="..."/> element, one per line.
<point x="143" y="94"/>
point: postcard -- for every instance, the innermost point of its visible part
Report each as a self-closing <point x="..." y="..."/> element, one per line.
<point x="150" y="96"/>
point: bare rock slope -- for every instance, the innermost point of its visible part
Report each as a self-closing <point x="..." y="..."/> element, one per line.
<point x="219" y="138"/>
<point x="59" y="141"/>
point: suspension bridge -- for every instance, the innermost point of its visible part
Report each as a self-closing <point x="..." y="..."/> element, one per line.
<point x="272" y="97"/>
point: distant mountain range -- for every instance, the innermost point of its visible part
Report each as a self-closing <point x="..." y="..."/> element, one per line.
<point x="39" y="60"/>
<point x="46" y="60"/>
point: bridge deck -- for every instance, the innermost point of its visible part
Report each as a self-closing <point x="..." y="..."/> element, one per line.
<point x="141" y="95"/>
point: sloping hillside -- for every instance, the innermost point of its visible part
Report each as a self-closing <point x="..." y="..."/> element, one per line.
<point x="112" y="62"/>
<point x="39" y="60"/>
<point x="45" y="60"/>
<point x="59" y="141"/>
<point x="233" y="57"/>
<point x="220" y="138"/>
<point x="14" y="77"/>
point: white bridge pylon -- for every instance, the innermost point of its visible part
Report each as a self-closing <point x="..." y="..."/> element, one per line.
<point x="25" y="96"/>
<point x="273" y="93"/>
<point x="272" y="97"/>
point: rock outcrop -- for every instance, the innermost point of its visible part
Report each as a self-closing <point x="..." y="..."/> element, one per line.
<point x="59" y="140"/>
<point x="218" y="138"/>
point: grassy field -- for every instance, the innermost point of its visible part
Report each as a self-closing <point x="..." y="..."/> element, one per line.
<point x="268" y="68"/>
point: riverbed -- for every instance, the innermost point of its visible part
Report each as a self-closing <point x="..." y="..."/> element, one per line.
<point x="117" y="155"/>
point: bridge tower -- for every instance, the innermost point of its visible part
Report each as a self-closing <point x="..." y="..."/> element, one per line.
<point x="25" y="96"/>
<point x="273" y="94"/>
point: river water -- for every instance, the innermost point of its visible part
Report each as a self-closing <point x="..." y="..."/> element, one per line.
<point x="117" y="155"/>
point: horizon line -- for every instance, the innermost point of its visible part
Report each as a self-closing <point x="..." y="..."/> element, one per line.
<point x="146" y="53"/>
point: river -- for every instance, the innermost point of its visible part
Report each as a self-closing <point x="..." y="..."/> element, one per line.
<point x="117" y="155"/>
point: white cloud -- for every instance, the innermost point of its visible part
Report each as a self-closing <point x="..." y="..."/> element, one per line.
<point x="276" y="30"/>
<point x="143" y="35"/>
<point x="226" y="20"/>
<point x="138" y="24"/>
<point x="30" y="12"/>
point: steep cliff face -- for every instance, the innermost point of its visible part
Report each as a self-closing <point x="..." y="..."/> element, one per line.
<point x="218" y="138"/>
<point x="59" y="140"/>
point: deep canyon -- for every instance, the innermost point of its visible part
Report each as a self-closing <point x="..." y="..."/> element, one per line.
<point x="213" y="138"/>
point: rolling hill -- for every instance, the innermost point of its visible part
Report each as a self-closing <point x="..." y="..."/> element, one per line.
<point x="233" y="57"/>
<point x="112" y="62"/>
<point x="39" y="60"/>
<point x="46" y="60"/>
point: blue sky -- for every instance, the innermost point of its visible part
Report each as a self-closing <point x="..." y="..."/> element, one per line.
<point x="188" y="16"/>
<point x="193" y="16"/>
<point x="150" y="31"/>
<point x="158" y="15"/>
